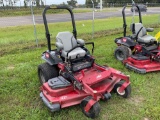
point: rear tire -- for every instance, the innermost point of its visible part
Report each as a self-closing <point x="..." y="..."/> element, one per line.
<point x="46" y="72"/>
<point x="122" y="52"/>
<point x="94" y="110"/>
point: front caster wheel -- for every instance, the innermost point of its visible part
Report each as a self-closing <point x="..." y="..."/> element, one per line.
<point x="94" y="110"/>
<point x="125" y="93"/>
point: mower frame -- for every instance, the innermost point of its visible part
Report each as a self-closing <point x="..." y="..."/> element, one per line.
<point x="86" y="86"/>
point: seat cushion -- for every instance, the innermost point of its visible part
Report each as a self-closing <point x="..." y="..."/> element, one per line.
<point x="77" y="52"/>
<point x="146" y="39"/>
<point x="67" y="40"/>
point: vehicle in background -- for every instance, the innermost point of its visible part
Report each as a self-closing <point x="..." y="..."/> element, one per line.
<point x="142" y="8"/>
<point x="98" y="6"/>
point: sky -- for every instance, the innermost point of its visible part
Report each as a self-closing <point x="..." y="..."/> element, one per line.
<point x="48" y="2"/>
<point x="61" y="1"/>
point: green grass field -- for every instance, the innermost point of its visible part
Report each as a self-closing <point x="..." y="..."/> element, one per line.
<point x="38" y="11"/>
<point x="25" y="33"/>
<point x="19" y="85"/>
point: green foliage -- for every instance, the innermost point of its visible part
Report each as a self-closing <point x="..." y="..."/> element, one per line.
<point x="37" y="3"/>
<point x="37" y="11"/>
<point x="129" y="1"/>
<point x="72" y="3"/>
<point x="89" y="4"/>
<point x="18" y="34"/>
<point x="25" y="3"/>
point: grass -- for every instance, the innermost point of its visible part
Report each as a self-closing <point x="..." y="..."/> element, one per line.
<point x="19" y="85"/>
<point x="19" y="88"/>
<point x="25" y="33"/>
<point x="38" y="11"/>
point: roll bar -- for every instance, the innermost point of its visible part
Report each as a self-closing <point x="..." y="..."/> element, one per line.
<point x="46" y="25"/>
<point x="124" y="18"/>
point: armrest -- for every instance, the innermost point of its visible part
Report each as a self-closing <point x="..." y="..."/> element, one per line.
<point x="80" y="41"/>
<point x="149" y="29"/>
<point x="59" y="46"/>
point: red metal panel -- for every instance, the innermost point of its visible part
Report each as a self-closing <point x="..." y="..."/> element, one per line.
<point x="96" y="82"/>
<point x="148" y="65"/>
<point x="89" y="105"/>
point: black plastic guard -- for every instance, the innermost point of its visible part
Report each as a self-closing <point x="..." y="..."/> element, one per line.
<point x="58" y="82"/>
<point x="52" y="107"/>
<point x="126" y="41"/>
<point x="141" y="71"/>
<point x="51" y="57"/>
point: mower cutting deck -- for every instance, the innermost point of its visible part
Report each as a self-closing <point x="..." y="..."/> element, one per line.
<point x="97" y="82"/>
<point x="142" y="63"/>
<point x="70" y="76"/>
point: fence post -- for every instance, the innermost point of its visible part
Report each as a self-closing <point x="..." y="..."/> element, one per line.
<point x="92" y="20"/>
<point x="34" y="24"/>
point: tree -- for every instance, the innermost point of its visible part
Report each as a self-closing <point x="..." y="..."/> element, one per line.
<point x="63" y="3"/>
<point x="37" y="3"/>
<point x="105" y="3"/>
<point x="25" y="3"/>
<point x="10" y="2"/>
<point x="72" y="3"/>
<point x="2" y="2"/>
<point x="89" y="3"/>
<point x="42" y="3"/>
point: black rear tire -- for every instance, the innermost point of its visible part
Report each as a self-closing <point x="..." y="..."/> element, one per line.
<point x="94" y="110"/>
<point x="127" y="91"/>
<point x="46" y="72"/>
<point x="122" y="52"/>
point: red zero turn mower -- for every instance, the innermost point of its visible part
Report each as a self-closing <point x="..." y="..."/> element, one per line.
<point x="139" y="52"/>
<point x="70" y="76"/>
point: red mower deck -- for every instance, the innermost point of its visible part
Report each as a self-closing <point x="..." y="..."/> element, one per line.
<point x="142" y="66"/>
<point x="96" y="81"/>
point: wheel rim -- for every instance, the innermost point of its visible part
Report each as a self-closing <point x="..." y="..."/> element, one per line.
<point x="120" y="55"/>
<point x="120" y="93"/>
<point x="42" y="77"/>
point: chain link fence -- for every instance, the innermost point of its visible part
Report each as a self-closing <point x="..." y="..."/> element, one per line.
<point x="88" y="26"/>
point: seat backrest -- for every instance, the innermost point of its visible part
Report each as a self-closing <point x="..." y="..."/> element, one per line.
<point x="137" y="28"/>
<point x="67" y="39"/>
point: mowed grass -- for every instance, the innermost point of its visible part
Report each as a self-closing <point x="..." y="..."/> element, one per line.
<point x="38" y="11"/>
<point x="26" y="33"/>
<point x="19" y="85"/>
<point x="19" y="88"/>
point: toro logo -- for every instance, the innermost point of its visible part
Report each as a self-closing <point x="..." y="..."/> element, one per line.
<point x="99" y="76"/>
<point x="63" y="97"/>
<point x="47" y="55"/>
<point x="124" y="39"/>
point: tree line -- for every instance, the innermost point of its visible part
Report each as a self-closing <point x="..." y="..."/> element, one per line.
<point x="107" y="3"/>
<point x="25" y="2"/>
<point x="73" y="3"/>
<point x="88" y="3"/>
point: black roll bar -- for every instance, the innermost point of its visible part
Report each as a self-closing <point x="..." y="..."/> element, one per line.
<point x="124" y="18"/>
<point x="46" y="25"/>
